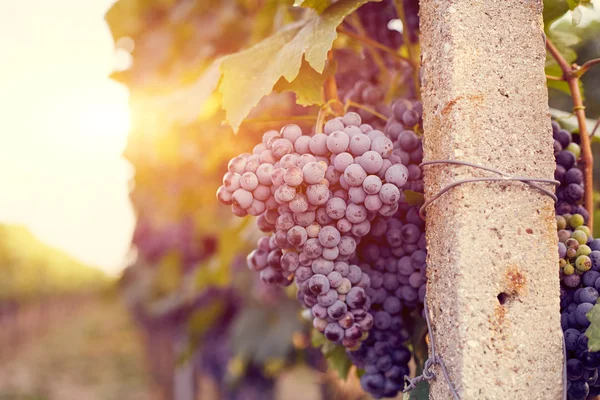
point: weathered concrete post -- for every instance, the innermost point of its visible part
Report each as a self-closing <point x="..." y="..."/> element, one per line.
<point x="493" y="290"/>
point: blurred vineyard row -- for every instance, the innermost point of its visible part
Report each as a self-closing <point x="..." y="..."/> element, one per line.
<point x="212" y="330"/>
<point x="39" y="286"/>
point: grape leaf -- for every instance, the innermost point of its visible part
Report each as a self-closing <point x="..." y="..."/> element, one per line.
<point x="317" y="339"/>
<point x="554" y="9"/>
<point x="421" y="392"/>
<point x="252" y="73"/>
<point x="413" y="198"/>
<point x="318" y="5"/>
<point x="338" y="360"/>
<point x="593" y="331"/>
<point x="308" y="85"/>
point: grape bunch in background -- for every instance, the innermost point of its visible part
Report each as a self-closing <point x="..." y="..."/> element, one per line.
<point x="579" y="264"/>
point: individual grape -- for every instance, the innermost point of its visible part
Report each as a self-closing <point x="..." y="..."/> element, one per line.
<point x="336" y="208"/>
<point x="302" y="145"/>
<point x="224" y="196"/>
<point x="356" y="213"/>
<point x="343" y="225"/>
<point x="312" y="248"/>
<point x="333" y="125"/>
<point x="334" y="332"/>
<point x="242" y="198"/>
<point x="373" y="202"/>
<point x="299" y="203"/>
<point x="256" y="208"/>
<point x="337" y="142"/>
<point x="331" y="253"/>
<point x="372" y="185"/>
<point x="359" y="144"/>
<point x="397" y="175"/>
<point x="317" y="194"/>
<point x="291" y="132"/>
<point x="290" y="262"/>
<point x="303" y="219"/>
<point x="293" y="176"/>
<point x="357" y="195"/>
<point x="382" y="145"/>
<point x="389" y="194"/>
<point x="314" y="172"/>
<point x="355" y="174"/>
<point x="337" y="310"/>
<point x="329" y="236"/>
<point x="318" y="144"/>
<point x="318" y="284"/>
<point x="328" y="298"/>
<point x="297" y="236"/>
<point x="371" y="161"/>
<point x="352" y="118"/>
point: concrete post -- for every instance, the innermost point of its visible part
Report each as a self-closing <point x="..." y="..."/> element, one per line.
<point x="493" y="290"/>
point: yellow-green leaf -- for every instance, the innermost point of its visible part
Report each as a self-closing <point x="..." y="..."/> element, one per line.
<point x="318" y="5"/>
<point x="251" y="74"/>
<point x="308" y="85"/>
<point x="593" y="331"/>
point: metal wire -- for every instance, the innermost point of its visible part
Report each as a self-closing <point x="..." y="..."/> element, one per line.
<point x="504" y="177"/>
<point x="434" y="359"/>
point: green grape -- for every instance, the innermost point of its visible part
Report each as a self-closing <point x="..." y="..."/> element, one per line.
<point x="584" y="229"/>
<point x="574" y="148"/>
<point x="561" y="222"/>
<point x="569" y="269"/>
<point x="580" y="236"/>
<point x="584" y="250"/>
<point x="562" y="263"/>
<point x="576" y="220"/>
<point x="583" y="263"/>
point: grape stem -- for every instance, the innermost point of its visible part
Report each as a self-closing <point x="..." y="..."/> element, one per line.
<point x="399" y="4"/>
<point x="586" y="66"/>
<point x="331" y="91"/>
<point x="571" y="74"/>
<point x="372" y="43"/>
<point x="351" y="103"/>
<point x="354" y="22"/>
<point x="280" y="119"/>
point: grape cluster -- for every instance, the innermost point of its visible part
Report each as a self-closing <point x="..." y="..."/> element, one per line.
<point x="375" y="18"/>
<point x="318" y="196"/>
<point x="579" y="264"/>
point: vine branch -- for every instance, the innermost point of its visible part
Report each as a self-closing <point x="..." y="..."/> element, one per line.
<point x="586" y="66"/>
<point x="406" y="38"/>
<point x="571" y="74"/>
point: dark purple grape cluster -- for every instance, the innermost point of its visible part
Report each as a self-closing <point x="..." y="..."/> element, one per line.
<point x="375" y="18"/>
<point x="383" y="356"/>
<point x="579" y="265"/>
<point x="394" y="256"/>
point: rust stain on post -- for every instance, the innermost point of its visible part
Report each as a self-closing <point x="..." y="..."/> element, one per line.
<point x="492" y="255"/>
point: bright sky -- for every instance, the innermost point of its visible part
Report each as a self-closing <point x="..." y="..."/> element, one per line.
<point x="63" y="126"/>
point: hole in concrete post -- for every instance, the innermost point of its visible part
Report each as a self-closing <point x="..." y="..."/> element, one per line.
<point x="503" y="298"/>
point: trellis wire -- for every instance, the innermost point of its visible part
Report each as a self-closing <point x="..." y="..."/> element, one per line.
<point x="504" y="177"/>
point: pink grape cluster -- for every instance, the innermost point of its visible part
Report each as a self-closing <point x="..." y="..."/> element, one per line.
<point x="318" y="195"/>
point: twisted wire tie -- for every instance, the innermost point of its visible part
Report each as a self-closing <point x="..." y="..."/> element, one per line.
<point x="503" y="177"/>
<point x="427" y="373"/>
